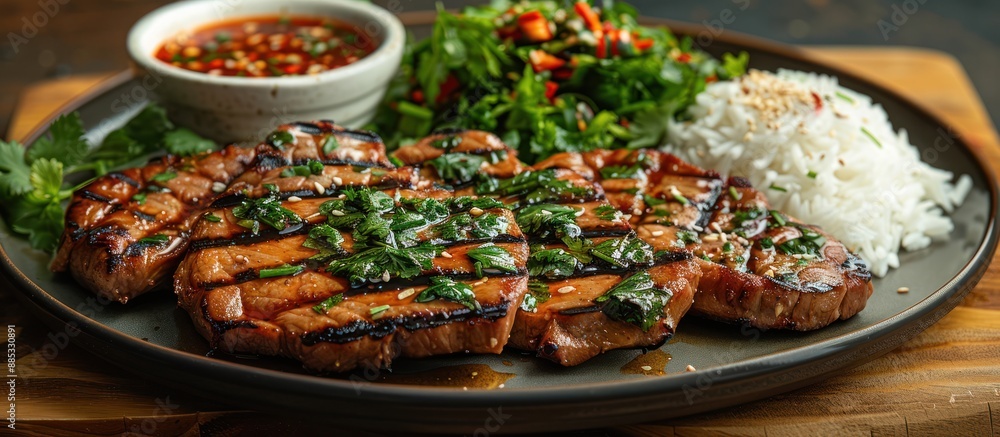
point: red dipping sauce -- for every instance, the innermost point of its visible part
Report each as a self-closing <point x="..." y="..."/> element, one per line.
<point x="268" y="46"/>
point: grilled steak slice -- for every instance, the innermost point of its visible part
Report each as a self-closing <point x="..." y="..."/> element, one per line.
<point x="569" y="325"/>
<point x="353" y="276"/>
<point x="126" y="231"/>
<point x="594" y="285"/>
<point x="759" y="266"/>
<point x="456" y="158"/>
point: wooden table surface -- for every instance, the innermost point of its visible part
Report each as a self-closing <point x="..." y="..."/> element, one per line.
<point x="945" y="381"/>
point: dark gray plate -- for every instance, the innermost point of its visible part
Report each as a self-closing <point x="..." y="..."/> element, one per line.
<point x="150" y="336"/>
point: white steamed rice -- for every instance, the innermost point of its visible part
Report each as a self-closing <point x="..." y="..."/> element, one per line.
<point x="874" y="194"/>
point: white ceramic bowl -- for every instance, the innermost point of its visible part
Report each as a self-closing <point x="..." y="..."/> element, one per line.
<point x="229" y="108"/>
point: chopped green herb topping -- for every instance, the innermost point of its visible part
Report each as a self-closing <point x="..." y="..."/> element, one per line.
<point x="734" y="193"/>
<point x="810" y="243"/>
<point x="312" y="167"/>
<point x="681" y="199"/>
<point x="212" y="218"/>
<point x="635" y="300"/>
<point x="267" y="210"/>
<point x="548" y="220"/>
<point x="447" y="143"/>
<point x="727" y="247"/>
<point x="396" y="161"/>
<point x="279" y="139"/>
<point x="766" y="243"/>
<point x="163" y="177"/>
<point x="653" y="201"/>
<point x="744" y="217"/>
<point x="465" y="226"/>
<point x="378" y="310"/>
<point x="330" y="144"/>
<point x="777" y="188"/>
<point x="778" y="218"/>
<point x="621" y="172"/>
<point x="328" y="303"/>
<point x="465" y="203"/>
<point x="534" y="187"/>
<point x="153" y="240"/>
<point x="357" y="205"/>
<point x="811" y="174"/>
<point x="457" y="168"/>
<point x="327" y="240"/>
<point x="538" y="292"/>
<point x="442" y="287"/>
<point x="845" y="97"/>
<point x="688" y="237"/>
<point x="491" y="256"/>
<point x="871" y="137"/>
<point x="140" y="198"/>
<point x="285" y="270"/>
<point x="433" y="210"/>
<point x="552" y="263"/>
<point x="374" y="263"/>
<point x="608" y="213"/>
<point x="624" y="252"/>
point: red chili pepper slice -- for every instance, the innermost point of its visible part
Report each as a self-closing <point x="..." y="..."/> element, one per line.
<point x="590" y="17"/>
<point x="550" y="89"/>
<point x="542" y="61"/>
<point x="643" y="44"/>
<point x="534" y="26"/>
<point x="449" y="86"/>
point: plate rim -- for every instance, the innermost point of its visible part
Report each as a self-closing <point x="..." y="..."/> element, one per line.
<point x="927" y="310"/>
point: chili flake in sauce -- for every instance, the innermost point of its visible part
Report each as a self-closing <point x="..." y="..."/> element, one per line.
<point x="268" y="46"/>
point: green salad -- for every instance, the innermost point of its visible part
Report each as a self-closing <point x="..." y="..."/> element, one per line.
<point x="548" y="77"/>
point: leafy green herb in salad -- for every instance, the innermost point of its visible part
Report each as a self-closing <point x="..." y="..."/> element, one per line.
<point x="548" y="77"/>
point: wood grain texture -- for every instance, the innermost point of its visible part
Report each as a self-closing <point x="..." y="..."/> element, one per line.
<point x="945" y="381"/>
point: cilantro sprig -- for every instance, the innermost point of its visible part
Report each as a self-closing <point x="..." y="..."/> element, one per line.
<point x="36" y="182"/>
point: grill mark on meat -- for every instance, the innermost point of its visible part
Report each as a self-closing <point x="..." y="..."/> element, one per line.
<point x="143" y="216"/>
<point x="269" y="161"/>
<point x="579" y="310"/>
<point x="309" y="128"/>
<point x="117" y="175"/>
<point x="90" y="195"/>
<point x="359" y="135"/>
<point x="221" y="326"/>
<point x="362" y="328"/>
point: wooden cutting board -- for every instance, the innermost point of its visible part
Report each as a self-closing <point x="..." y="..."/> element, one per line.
<point x="946" y="381"/>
